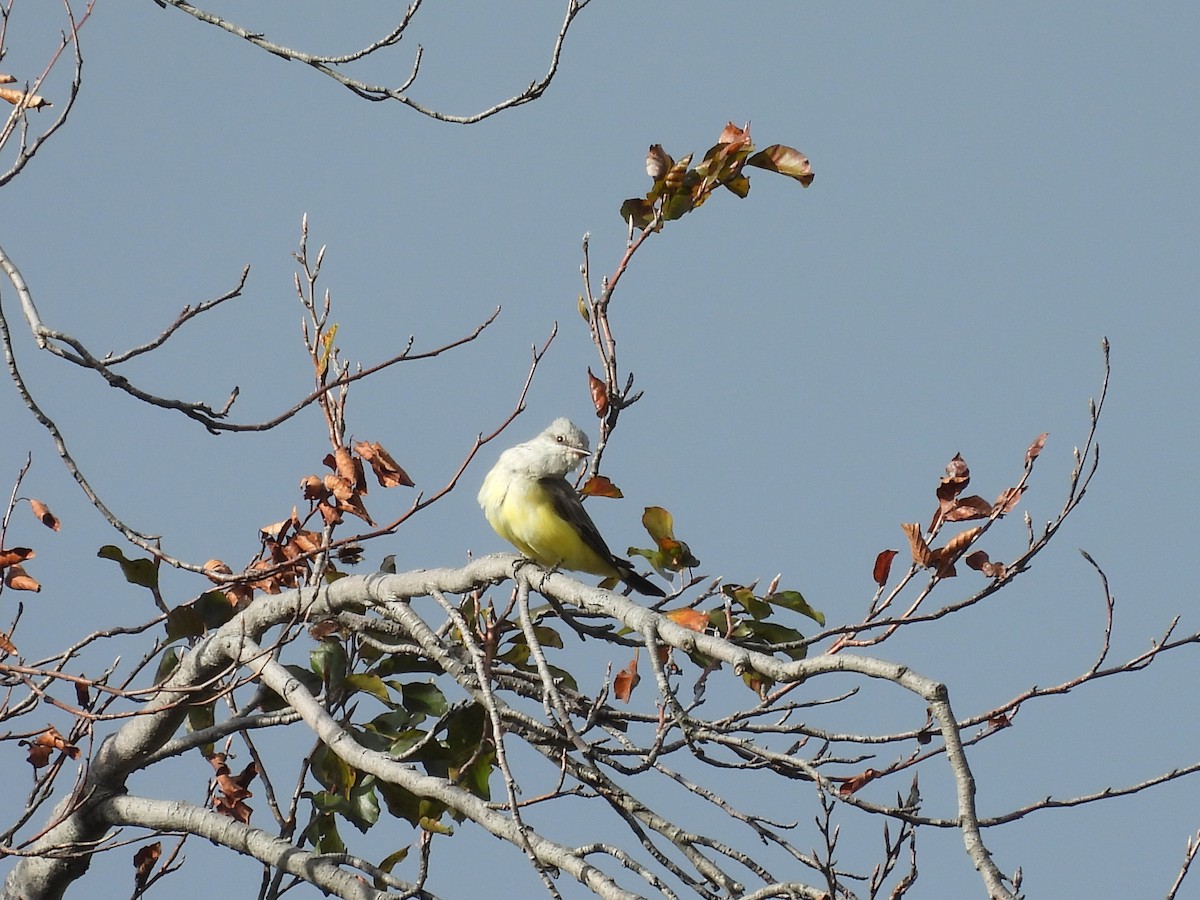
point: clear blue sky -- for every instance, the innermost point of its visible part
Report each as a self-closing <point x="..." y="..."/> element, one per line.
<point x="997" y="187"/>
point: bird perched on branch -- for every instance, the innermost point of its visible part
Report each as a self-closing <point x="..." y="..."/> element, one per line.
<point x="529" y="502"/>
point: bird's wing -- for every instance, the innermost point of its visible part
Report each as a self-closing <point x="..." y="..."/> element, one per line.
<point x="567" y="505"/>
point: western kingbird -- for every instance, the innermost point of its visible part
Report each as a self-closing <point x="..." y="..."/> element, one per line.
<point x="529" y="502"/>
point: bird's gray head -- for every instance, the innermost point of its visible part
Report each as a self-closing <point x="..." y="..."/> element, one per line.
<point x="559" y="449"/>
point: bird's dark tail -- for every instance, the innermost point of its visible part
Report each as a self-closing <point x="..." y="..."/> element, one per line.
<point x="639" y="583"/>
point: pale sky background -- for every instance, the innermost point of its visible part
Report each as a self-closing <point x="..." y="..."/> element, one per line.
<point x="997" y="187"/>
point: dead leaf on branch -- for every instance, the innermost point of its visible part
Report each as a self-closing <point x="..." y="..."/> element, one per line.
<point x="599" y="392"/>
<point x="883" y="566"/>
<point x="234" y="789"/>
<point x="144" y="861"/>
<point x="689" y="618"/>
<point x="1036" y="447"/>
<point x="626" y="680"/>
<point x="941" y="559"/>
<point x="857" y="782"/>
<point x="21" y="98"/>
<point x="14" y="555"/>
<point x="601" y="486"/>
<point x="980" y="562"/>
<point x="42" y="512"/>
<point x="16" y="578"/>
<point x="45" y="744"/>
<point x="387" y="471"/>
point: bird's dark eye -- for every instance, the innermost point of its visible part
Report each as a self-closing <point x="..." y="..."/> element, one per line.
<point x="560" y="439"/>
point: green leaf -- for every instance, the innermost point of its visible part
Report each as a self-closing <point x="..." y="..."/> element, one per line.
<point x="328" y="659"/>
<point x="424" y="697"/>
<point x="214" y="608"/>
<point x="362" y="806"/>
<point x="773" y="633"/>
<point x="640" y="210"/>
<point x="199" y="718"/>
<point x="142" y="572"/>
<point x="795" y="601"/>
<point x="166" y="665"/>
<point x="744" y="597"/>
<point x="368" y="684"/>
<point x="184" y="622"/>
<point x="311" y="682"/>
<point x="322" y="833"/>
<point x="739" y="184"/>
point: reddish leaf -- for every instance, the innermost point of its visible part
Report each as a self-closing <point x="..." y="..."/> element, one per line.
<point x="857" y="782"/>
<point x="998" y="721"/>
<point x="883" y="566"/>
<point x="600" y="486"/>
<point x="599" y="391"/>
<point x="689" y="618"/>
<point x="14" y="555"/>
<point x="626" y="680"/>
<point x="7" y="647"/>
<point x="47" y="518"/>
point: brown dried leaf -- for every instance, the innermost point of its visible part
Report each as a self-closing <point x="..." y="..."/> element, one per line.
<point x="339" y="486"/>
<point x="600" y="486"/>
<point x="387" y="471"/>
<point x="961" y="541"/>
<point x="313" y="488"/>
<point x="216" y="567"/>
<point x="43" y="514"/>
<point x="979" y="561"/>
<point x="883" y="566"/>
<point x="7" y="79"/>
<point x="330" y="514"/>
<point x="17" y="98"/>
<point x="144" y="861"/>
<point x="7" y="647"/>
<point x="920" y="549"/>
<point x="1007" y="501"/>
<point x="731" y="134"/>
<point x="966" y="508"/>
<point x="46" y="743"/>
<point x="16" y="578"/>
<point x="1036" y="447"/>
<point x="599" y="392"/>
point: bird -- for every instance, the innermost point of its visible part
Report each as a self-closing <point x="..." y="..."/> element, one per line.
<point x="529" y="502"/>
